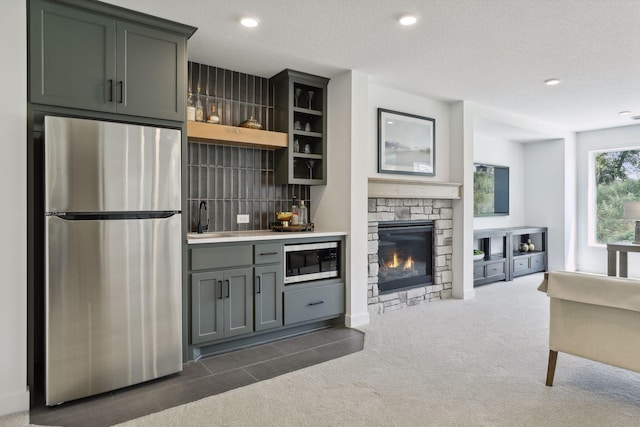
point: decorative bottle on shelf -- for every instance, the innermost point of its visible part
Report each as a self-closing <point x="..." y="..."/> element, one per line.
<point x="199" y="109"/>
<point x="191" y="108"/>
<point x="530" y="245"/>
<point x="302" y="213"/>
<point x="523" y="247"/>
<point x="295" y="213"/>
<point x="213" y="117"/>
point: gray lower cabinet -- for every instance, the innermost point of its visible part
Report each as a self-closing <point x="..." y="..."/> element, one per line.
<point x="268" y="297"/>
<point x="268" y="285"/>
<point x="81" y="57"/>
<point x="221" y="304"/>
<point x="314" y="302"/>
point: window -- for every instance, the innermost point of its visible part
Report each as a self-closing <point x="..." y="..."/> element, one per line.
<point x="615" y="177"/>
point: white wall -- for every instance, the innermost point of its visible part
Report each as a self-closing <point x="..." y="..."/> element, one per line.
<point x="501" y="152"/>
<point x="13" y="193"/>
<point x="545" y="195"/>
<point x="342" y="203"/>
<point x="390" y="99"/>
<point x="594" y="258"/>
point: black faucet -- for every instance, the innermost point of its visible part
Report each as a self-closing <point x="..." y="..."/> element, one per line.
<point x="202" y="227"/>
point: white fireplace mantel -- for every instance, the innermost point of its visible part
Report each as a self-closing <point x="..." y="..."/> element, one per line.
<point x="413" y="189"/>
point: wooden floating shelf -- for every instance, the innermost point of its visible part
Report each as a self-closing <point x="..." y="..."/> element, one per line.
<point x="208" y="132"/>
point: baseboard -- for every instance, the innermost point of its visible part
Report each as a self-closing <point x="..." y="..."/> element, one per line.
<point x="14" y="402"/>
<point x="355" y="320"/>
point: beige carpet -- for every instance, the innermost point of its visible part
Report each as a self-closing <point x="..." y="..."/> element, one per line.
<point x="479" y="362"/>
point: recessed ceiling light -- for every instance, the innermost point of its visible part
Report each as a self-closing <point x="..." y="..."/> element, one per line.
<point x="249" y="22"/>
<point x="407" y="20"/>
<point x="552" y="82"/>
<point x="624" y="113"/>
<point x="389" y="122"/>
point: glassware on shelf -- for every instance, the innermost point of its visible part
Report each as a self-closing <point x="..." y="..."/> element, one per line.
<point x="310" y="165"/>
<point x="296" y="146"/>
<point x="199" y="109"/>
<point x="191" y="108"/>
<point x="310" y="94"/>
<point x="297" y="125"/>
<point x="307" y="148"/>
<point x="296" y="96"/>
<point x="213" y="117"/>
<point x="307" y="127"/>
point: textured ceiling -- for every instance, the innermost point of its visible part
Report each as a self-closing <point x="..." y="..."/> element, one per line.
<point x="494" y="53"/>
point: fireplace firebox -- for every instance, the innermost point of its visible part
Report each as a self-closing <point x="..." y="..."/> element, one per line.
<point x="405" y="255"/>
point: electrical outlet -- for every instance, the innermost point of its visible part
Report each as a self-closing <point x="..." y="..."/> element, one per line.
<point x="242" y="219"/>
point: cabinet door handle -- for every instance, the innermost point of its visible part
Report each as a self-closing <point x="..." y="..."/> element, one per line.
<point x="110" y="90"/>
<point x="220" y="285"/>
<point x="228" y="288"/>
<point x="121" y="84"/>
<point x="268" y="253"/>
<point x="258" y="286"/>
<point x="316" y="303"/>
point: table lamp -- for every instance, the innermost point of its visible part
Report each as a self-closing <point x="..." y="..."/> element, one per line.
<point x="632" y="211"/>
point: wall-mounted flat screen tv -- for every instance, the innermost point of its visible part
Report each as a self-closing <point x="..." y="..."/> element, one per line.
<point x="490" y="190"/>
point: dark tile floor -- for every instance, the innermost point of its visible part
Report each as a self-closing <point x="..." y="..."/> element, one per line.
<point x="206" y="377"/>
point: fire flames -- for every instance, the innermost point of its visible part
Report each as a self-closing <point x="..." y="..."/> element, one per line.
<point x="395" y="262"/>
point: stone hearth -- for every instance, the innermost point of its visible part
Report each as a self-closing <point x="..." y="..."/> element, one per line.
<point x="440" y="211"/>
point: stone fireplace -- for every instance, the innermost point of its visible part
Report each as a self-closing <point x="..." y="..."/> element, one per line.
<point x="411" y="201"/>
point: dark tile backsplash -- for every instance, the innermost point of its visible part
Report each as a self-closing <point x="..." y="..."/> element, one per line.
<point x="235" y="180"/>
<point x="237" y="96"/>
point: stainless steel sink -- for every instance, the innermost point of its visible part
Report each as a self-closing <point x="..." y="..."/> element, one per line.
<point x="209" y="235"/>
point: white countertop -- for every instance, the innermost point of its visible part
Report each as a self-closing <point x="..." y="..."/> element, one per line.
<point x="249" y="236"/>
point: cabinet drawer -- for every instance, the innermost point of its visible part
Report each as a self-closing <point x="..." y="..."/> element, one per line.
<point x="220" y="256"/>
<point x="495" y="269"/>
<point x="313" y="303"/>
<point x="537" y="262"/>
<point x="478" y="270"/>
<point x="520" y="264"/>
<point x="267" y="253"/>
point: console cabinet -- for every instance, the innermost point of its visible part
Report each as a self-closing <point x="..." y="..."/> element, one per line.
<point x="83" y="56"/>
<point x="503" y="260"/>
<point x="495" y="244"/>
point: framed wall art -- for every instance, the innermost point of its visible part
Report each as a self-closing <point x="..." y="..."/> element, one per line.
<point x="406" y="143"/>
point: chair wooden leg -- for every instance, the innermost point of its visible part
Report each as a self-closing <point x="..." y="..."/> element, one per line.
<point x="551" y="369"/>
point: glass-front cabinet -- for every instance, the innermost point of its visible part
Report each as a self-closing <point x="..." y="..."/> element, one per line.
<point x="300" y="101"/>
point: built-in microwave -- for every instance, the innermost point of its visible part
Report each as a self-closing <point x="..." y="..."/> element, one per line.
<point x="311" y="261"/>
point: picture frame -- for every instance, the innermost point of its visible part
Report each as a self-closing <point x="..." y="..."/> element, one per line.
<point x="406" y="143"/>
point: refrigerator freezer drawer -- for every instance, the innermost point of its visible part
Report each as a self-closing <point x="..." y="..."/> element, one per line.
<point x="113" y="298"/>
<point x="95" y="166"/>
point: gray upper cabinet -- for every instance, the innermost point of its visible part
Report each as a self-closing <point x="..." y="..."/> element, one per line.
<point x="81" y="57"/>
<point x="300" y="101"/>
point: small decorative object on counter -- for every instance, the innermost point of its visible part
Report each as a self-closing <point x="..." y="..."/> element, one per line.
<point x="199" y="109"/>
<point x="523" y="247"/>
<point x="251" y="123"/>
<point x="478" y="254"/>
<point x="531" y="245"/>
<point x="191" y="108"/>
<point x="213" y="117"/>
<point x="302" y="214"/>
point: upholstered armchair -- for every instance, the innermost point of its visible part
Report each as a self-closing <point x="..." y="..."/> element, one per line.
<point x="595" y="317"/>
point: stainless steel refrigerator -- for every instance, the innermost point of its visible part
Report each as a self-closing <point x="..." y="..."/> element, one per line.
<point x="113" y="256"/>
